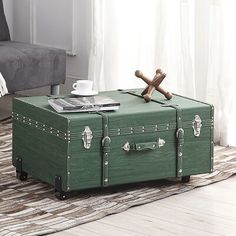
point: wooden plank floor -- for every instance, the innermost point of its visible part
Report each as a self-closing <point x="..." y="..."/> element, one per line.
<point x="205" y="211"/>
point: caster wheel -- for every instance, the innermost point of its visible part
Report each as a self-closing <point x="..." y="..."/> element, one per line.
<point x="185" y="179"/>
<point x="61" y="195"/>
<point x="22" y="175"/>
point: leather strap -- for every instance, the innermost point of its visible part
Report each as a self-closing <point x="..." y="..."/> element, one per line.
<point x="106" y="149"/>
<point x="139" y="95"/>
<point x="180" y="141"/>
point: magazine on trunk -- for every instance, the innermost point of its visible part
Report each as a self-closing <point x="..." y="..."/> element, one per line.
<point x="83" y="104"/>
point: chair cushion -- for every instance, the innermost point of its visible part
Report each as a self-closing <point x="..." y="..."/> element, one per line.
<point x="4" y="31"/>
<point x="26" y="66"/>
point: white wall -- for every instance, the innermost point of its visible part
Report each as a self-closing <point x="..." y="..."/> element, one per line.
<point x="21" y="20"/>
<point x="77" y="66"/>
<point x="8" y="7"/>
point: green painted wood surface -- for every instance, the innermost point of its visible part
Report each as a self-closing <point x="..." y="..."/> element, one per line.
<point x="46" y="155"/>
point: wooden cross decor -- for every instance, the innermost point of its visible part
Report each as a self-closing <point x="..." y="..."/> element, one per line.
<point x="153" y="85"/>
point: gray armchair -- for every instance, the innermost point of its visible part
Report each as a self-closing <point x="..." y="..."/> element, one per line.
<point x="27" y="66"/>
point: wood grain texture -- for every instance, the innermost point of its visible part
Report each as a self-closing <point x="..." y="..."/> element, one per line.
<point x="205" y="211"/>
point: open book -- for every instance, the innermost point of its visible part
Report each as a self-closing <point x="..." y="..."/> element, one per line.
<point x="83" y="104"/>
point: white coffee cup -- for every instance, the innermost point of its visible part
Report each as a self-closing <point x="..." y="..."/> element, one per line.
<point x="83" y="86"/>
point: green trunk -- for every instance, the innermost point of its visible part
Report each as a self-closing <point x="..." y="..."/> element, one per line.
<point x="51" y="144"/>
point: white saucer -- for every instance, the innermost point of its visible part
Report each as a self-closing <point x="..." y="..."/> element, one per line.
<point x="91" y="93"/>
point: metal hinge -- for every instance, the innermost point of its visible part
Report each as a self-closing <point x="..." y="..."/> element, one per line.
<point x="197" y="124"/>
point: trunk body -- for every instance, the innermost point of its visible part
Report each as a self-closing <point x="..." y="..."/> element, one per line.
<point x="139" y="142"/>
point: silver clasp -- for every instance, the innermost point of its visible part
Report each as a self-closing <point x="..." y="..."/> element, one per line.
<point x="197" y="124"/>
<point x="106" y="139"/>
<point x="180" y="133"/>
<point x="87" y="137"/>
<point x="126" y="147"/>
<point x="161" y="142"/>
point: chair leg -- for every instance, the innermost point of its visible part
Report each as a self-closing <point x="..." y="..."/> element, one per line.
<point x="55" y="89"/>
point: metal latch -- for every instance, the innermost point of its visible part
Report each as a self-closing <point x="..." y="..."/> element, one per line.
<point x="197" y="124"/>
<point x="87" y="137"/>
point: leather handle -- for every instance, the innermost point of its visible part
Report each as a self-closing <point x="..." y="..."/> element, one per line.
<point x="143" y="146"/>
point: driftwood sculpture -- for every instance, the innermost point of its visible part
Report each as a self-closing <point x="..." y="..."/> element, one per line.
<point x="153" y="85"/>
